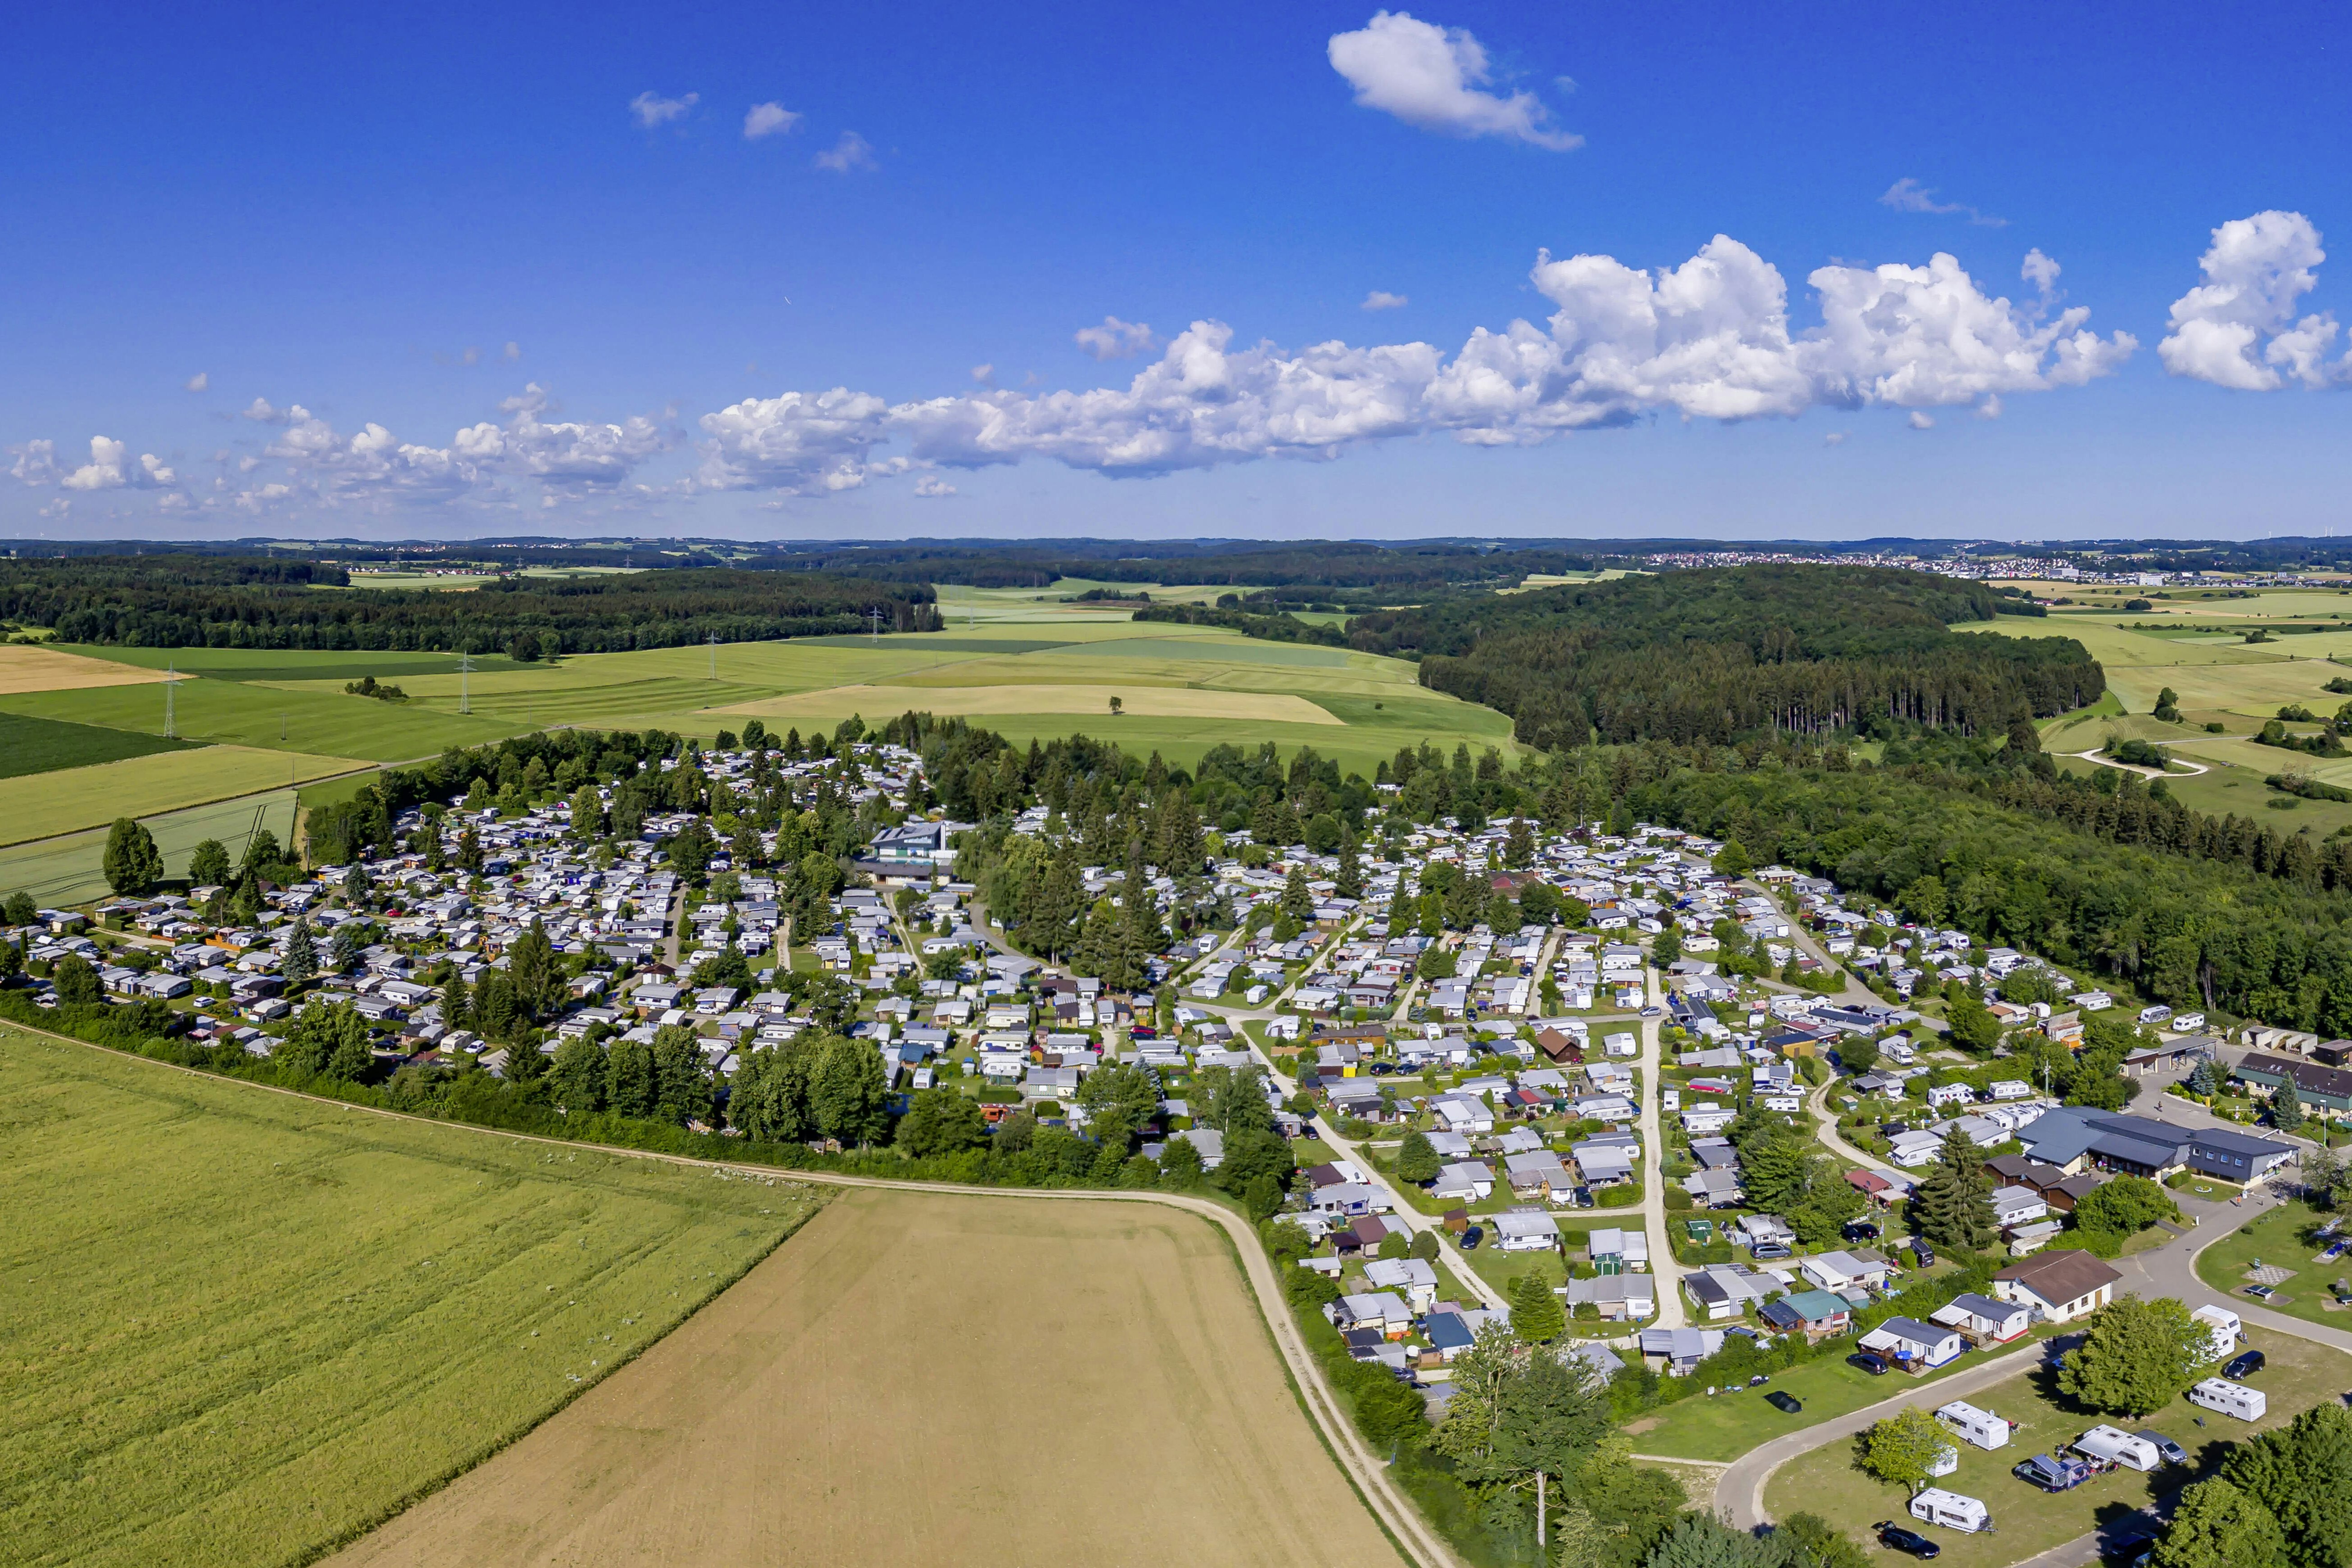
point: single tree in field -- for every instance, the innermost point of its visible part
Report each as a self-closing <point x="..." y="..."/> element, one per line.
<point x="2218" y="1526"/>
<point x="1115" y="706"/>
<point x="1904" y="1447"/>
<point x="133" y="864"/>
<point x="2137" y="1356"/>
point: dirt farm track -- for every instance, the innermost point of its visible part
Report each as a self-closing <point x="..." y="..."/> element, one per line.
<point x="927" y="1376"/>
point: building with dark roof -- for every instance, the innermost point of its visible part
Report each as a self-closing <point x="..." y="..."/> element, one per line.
<point x="2057" y="1286"/>
<point x="2076" y="1139"/>
<point x="2323" y="1089"/>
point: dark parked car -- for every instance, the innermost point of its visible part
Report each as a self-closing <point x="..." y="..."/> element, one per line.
<point x="1859" y="1230"/>
<point x="1779" y="1401"/>
<point x="1472" y="1238"/>
<point x="2172" y="1451"/>
<point x="2250" y="1361"/>
<point x="1871" y="1363"/>
<point x="1901" y="1539"/>
<point x="1921" y="1253"/>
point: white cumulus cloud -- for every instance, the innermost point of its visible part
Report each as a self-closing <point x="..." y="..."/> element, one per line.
<point x="111" y="467"/>
<point x="931" y="485"/>
<point x="1381" y="299"/>
<point x="198" y="382"/>
<point x="2256" y="271"/>
<point x="1431" y="77"/>
<point x="651" y="108"/>
<point x="852" y="154"/>
<point x="768" y="120"/>
<point x="1116" y="339"/>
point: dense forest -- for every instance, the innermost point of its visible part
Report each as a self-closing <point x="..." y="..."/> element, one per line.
<point x="1718" y="654"/>
<point x="210" y="600"/>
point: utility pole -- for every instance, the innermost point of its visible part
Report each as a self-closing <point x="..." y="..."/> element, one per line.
<point x="171" y="691"/>
<point x="465" y="682"/>
<point x="874" y="619"/>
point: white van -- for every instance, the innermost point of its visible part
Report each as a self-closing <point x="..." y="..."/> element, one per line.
<point x="2225" y="1327"/>
<point x="1950" y="1510"/>
<point x="1980" y="1427"/>
<point x="2230" y="1398"/>
<point x="2113" y="1446"/>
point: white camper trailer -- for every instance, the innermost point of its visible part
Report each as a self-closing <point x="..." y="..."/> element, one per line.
<point x="2223" y="1326"/>
<point x="1947" y="1460"/>
<point x="1950" y="1510"/>
<point x="1980" y="1427"/>
<point x="2230" y="1398"/>
<point x="2113" y="1446"/>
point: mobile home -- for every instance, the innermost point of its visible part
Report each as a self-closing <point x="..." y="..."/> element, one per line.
<point x="2230" y="1398"/>
<point x="1980" y="1427"/>
<point x="1950" y="1510"/>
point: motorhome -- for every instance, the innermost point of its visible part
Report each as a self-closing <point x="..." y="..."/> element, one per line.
<point x="2230" y="1398"/>
<point x="2224" y="1328"/>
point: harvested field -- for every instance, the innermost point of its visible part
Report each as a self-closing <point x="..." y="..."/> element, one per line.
<point x="242" y="1326"/>
<point x="24" y="667"/>
<point x="879" y="703"/>
<point x="929" y="1378"/>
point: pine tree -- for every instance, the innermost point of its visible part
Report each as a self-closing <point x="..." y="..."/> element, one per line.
<point x="301" y="961"/>
<point x="457" y="1001"/>
<point x="1297" y="899"/>
<point x="1350" y="882"/>
<point x="1953" y="1205"/>
<point x="1536" y="1316"/>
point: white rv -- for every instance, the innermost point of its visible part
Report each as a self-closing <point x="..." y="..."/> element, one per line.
<point x="2230" y="1398"/>
<point x="1950" y="1510"/>
<point x="1980" y="1427"/>
<point x="2223" y="1326"/>
<point x="2113" y="1446"/>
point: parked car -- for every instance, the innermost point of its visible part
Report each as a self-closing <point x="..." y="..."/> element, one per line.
<point x="2246" y="1363"/>
<point x="1869" y="1362"/>
<point x="1782" y="1402"/>
<point x="1923" y="1255"/>
<point x="1472" y="1236"/>
<point x="1859" y="1230"/>
<point x="2172" y="1451"/>
<point x="1767" y="1251"/>
<point x="1901" y="1539"/>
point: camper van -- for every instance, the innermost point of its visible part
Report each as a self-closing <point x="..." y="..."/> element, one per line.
<point x="2113" y="1446"/>
<point x="1980" y="1427"/>
<point x="1950" y="1510"/>
<point x="2225" y="1327"/>
<point x="2230" y="1398"/>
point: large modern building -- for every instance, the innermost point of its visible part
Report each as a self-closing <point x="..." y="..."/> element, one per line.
<point x="2076" y="1139"/>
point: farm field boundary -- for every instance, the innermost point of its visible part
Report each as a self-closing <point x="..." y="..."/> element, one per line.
<point x="1399" y="1519"/>
<point x="46" y="806"/>
<point x="819" y="1401"/>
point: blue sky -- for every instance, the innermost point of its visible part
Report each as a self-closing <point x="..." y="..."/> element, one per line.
<point x="350" y="216"/>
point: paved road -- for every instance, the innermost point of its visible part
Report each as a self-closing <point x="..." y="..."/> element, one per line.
<point x="1368" y="1472"/>
<point x="1662" y="1265"/>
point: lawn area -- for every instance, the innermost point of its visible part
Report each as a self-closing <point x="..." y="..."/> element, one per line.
<point x="1728" y="1424"/>
<point x="2282" y="1240"/>
<point x="43" y="805"/>
<point x="325" y="723"/>
<point x="2027" y="1519"/>
<point x="244" y="1326"/>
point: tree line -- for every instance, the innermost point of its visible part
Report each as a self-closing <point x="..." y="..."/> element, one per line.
<point x="202" y="601"/>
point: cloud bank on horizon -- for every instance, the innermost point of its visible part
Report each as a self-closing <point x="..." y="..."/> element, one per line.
<point x="1710" y="339"/>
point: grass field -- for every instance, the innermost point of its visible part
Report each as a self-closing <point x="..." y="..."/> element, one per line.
<point x="1726" y="1427"/>
<point x="30" y="745"/>
<point x="244" y="1326"/>
<point x="921" y="1378"/>
<point x="2280" y="1239"/>
<point x="24" y="667"/>
<point x="46" y="805"/>
<point x="2027" y="1519"/>
<point x="68" y="870"/>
